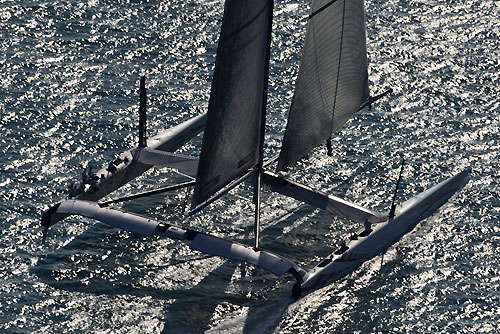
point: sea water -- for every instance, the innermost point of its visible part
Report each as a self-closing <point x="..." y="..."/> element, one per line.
<point x="69" y="79"/>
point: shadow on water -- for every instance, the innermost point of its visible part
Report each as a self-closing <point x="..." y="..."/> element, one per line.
<point x="81" y="267"/>
<point x="89" y="263"/>
<point x="194" y="312"/>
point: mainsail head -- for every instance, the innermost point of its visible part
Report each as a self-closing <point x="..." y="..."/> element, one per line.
<point x="233" y="138"/>
<point x="332" y="82"/>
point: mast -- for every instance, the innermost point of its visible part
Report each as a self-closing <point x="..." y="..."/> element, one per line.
<point x="260" y="169"/>
<point x="256" y="197"/>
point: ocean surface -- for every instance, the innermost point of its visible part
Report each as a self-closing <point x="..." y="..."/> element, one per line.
<point x="69" y="78"/>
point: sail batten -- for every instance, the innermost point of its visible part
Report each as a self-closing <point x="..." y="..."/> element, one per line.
<point x="317" y="11"/>
<point x="332" y="82"/>
<point x="233" y="139"/>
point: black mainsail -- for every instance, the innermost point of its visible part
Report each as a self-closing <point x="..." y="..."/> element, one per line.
<point x="233" y="139"/>
<point x="332" y="82"/>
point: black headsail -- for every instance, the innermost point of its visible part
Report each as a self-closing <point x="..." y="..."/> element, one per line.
<point x="233" y="138"/>
<point x="332" y="82"/>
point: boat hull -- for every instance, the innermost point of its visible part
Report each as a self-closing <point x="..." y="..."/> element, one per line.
<point x="363" y="248"/>
<point x="126" y="168"/>
<point x="168" y="141"/>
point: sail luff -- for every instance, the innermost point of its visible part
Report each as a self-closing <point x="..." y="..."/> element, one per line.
<point x="233" y="138"/>
<point x="332" y="82"/>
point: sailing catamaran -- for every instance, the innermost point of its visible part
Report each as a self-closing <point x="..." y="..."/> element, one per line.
<point x="332" y="85"/>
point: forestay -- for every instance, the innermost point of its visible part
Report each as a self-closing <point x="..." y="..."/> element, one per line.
<point x="332" y="82"/>
<point x="234" y="131"/>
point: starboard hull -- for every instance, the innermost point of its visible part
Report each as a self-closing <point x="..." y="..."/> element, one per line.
<point x="363" y="248"/>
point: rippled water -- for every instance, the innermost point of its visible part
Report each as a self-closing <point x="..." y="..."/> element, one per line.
<point x="69" y="79"/>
